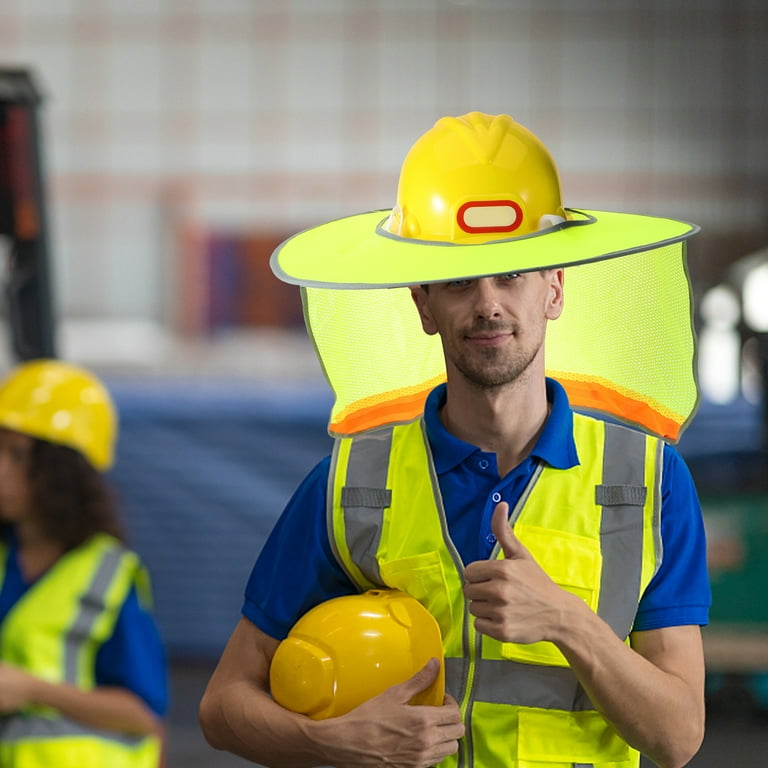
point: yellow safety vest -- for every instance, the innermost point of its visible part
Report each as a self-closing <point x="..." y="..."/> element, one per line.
<point x="54" y="631"/>
<point x="594" y="528"/>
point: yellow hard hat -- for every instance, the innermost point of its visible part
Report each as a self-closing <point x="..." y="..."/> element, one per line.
<point x="478" y="195"/>
<point x="350" y="649"/>
<point x="63" y="404"/>
<point x="476" y="178"/>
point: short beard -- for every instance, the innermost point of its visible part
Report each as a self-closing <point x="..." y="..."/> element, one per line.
<point x="489" y="369"/>
<point x="494" y="374"/>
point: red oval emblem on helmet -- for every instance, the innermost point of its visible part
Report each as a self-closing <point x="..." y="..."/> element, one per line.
<point x="480" y="216"/>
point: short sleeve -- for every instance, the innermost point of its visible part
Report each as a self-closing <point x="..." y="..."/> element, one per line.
<point x="296" y="569"/>
<point x="134" y="657"/>
<point x="679" y="592"/>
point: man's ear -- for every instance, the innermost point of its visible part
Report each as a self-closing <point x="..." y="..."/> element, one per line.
<point x="420" y="294"/>
<point x="555" y="296"/>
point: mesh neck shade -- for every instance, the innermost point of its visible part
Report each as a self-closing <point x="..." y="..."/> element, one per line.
<point x="623" y="348"/>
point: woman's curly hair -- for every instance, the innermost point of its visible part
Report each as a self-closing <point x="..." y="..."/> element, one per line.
<point x="70" y="497"/>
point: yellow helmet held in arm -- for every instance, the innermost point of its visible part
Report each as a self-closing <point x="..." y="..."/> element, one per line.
<point x="63" y="404"/>
<point x="349" y="649"/>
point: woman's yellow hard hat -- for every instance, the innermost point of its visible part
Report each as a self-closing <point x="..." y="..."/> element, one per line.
<point x="63" y="404"/>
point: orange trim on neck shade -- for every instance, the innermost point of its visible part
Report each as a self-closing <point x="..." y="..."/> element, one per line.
<point x="601" y="396"/>
<point x="402" y="406"/>
<point x="396" y="406"/>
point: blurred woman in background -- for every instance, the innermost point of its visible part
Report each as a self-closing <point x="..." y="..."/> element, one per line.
<point x="83" y="674"/>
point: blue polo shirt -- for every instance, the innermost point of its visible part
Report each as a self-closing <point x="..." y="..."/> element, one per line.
<point x="133" y="658"/>
<point x="296" y="569"/>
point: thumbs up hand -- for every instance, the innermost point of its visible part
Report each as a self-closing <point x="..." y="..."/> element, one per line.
<point x="513" y="600"/>
<point x="502" y="530"/>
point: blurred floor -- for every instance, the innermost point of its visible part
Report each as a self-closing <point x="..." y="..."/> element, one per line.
<point x="736" y="735"/>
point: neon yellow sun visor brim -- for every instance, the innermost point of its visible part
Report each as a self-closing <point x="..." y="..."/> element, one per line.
<point x="357" y="252"/>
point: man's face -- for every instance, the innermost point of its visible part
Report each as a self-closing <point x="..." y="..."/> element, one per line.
<point x="492" y="328"/>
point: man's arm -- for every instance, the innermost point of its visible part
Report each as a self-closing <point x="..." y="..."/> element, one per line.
<point x="651" y="692"/>
<point x="237" y="714"/>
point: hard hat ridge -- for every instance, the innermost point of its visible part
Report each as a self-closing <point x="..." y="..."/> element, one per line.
<point x="482" y="133"/>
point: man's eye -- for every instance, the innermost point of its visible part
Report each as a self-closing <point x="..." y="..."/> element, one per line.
<point x="459" y="283"/>
<point x="509" y="276"/>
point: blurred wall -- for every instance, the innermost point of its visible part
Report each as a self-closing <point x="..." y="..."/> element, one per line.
<point x="259" y="115"/>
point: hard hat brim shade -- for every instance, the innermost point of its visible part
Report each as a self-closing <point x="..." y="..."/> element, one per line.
<point x="357" y="252"/>
<point x="623" y="347"/>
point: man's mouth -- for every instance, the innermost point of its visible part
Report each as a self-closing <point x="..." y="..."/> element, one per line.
<point x="489" y="334"/>
<point x="489" y="338"/>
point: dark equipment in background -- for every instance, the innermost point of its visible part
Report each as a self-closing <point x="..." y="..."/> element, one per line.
<point x="23" y="219"/>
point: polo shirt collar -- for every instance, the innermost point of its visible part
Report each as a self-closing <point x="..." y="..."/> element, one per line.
<point x="555" y="446"/>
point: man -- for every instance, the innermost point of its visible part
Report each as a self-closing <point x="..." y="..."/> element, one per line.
<point x="562" y="555"/>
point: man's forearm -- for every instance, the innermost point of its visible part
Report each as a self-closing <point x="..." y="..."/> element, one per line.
<point x="385" y="730"/>
<point x="658" y="711"/>
<point x="244" y="720"/>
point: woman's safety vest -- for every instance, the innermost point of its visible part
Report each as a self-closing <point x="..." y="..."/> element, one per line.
<point x="54" y="632"/>
<point x="594" y="528"/>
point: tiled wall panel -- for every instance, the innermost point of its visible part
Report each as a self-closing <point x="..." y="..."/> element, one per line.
<point x="271" y="115"/>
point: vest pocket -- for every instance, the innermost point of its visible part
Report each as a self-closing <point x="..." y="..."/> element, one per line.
<point x="528" y="737"/>
<point x="573" y="563"/>
<point x="422" y="576"/>
<point x="555" y="737"/>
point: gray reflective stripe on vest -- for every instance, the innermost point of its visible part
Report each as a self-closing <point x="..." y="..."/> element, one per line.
<point x="622" y="497"/>
<point x="21" y="728"/>
<point x="503" y="681"/>
<point x="92" y="605"/>
<point x="364" y="498"/>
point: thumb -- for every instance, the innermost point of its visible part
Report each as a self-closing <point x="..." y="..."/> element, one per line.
<point x="502" y="530"/>
<point x="419" y="682"/>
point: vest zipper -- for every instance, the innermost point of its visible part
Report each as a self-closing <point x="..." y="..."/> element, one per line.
<point x="517" y="511"/>
<point x="472" y="638"/>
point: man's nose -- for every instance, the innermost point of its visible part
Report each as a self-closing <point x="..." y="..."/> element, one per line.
<point x="486" y="298"/>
